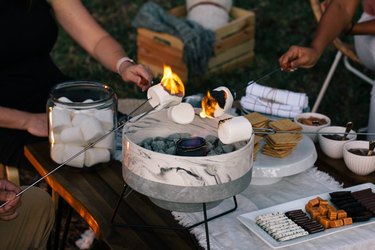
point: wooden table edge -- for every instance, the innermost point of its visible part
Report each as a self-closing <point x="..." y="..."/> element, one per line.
<point x="68" y="197"/>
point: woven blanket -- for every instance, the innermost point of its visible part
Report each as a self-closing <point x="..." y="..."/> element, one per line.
<point x="198" y="41"/>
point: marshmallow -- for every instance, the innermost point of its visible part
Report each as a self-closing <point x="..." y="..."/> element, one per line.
<point x="182" y="113"/>
<point x="157" y="95"/>
<point x="71" y="150"/>
<point x="78" y="118"/>
<point x="72" y="135"/>
<point x="228" y="97"/>
<point x="96" y="155"/>
<point x="105" y="116"/>
<point x="55" y="138"/>
<point x="91" y="129"/>
<point x="107" y="142"/>
<point x="64" y="99"/>
<point x="60" y="118"/>
<point x="57" y="152"/>
<point x="234" y="129"/>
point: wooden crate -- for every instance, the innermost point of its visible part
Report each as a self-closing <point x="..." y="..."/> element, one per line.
<point x="234" y="46"/>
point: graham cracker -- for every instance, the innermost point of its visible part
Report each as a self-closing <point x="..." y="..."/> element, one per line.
<point x="257" y="120"/>
<point x="285" y="125"/>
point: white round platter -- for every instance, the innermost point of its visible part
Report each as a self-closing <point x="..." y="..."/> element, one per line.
<point x="269" y="170"/>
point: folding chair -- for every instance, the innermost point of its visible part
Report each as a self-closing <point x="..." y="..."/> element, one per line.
<point x="344" y="49"/>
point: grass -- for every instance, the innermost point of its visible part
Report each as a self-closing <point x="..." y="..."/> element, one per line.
<point x="279" y="24"/>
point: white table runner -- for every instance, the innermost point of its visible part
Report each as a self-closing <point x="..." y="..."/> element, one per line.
<point x="227" y="232"/>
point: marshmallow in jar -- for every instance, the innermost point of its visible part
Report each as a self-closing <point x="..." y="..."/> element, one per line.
<point x="78" y="114"/>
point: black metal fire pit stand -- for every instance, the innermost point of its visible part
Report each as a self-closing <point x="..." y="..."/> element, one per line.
<point x="142" y="227"/>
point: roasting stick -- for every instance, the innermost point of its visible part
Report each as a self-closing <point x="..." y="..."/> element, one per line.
<point x="270" y="131"/>
<point x="121" y="124"/>
<point x="257" y="80"/>
<point x="264" y="76"/>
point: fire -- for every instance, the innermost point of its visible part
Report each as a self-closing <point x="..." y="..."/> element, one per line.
<point x="209" y="106"/>
<point x="172" y="83"/>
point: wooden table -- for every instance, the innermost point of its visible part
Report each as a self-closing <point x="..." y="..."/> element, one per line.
<point x="338" y="170"/>
<point x="93" y="194"/>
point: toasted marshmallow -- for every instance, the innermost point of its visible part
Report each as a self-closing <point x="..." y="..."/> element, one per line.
<point x="160" y="98"/>
<point x="234" y="129"/>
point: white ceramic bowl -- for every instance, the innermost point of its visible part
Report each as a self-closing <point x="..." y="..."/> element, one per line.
<point x="312" y="128"/>
<point x="334" y="148"/>
<point x="358" y="164"/>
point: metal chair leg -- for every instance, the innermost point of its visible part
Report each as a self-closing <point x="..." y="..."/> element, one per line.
<point x="327" y="81"/>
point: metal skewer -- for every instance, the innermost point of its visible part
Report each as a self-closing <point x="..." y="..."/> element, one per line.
<point x="257" y="80"/>
<point x="270" y="131"/>
<point x="264" y="76"/>
<point x="121" y="123"/>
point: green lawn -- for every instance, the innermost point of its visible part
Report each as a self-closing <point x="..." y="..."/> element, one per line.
<point x="279" y="24"/>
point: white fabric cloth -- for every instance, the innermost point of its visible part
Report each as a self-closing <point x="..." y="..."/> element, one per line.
<point x="273" y="101"/>
<point x="365" y="48"/>
<point x="227" y="232"/>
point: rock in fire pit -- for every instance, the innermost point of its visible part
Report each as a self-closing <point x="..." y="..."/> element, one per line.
<point x="183" y="183"/>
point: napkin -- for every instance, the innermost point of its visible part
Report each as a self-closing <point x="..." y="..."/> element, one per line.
<point x="274" y="101"/>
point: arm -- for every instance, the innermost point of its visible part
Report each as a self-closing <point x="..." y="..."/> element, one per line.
<point x="82" y="27"/>
<point x="8" y="192"/>
<point x="35" y="124"/>
<point x="335" y="19"/>
<point x="364" y="28"/>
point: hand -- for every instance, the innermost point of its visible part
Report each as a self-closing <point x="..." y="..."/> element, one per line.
<point x="8" y="192"/>
<point x="297" y="57"/>
<point x="139" y="74"/>
<point x="37" y="124"/>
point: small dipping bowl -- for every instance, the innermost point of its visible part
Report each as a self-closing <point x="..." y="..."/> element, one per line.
<point x="358" y="164"/>
<point x="331" y="147"/>
<point x="311" y="123"/>
<point x="194" y="146"/>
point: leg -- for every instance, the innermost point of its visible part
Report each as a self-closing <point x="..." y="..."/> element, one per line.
<point x="31" y="229"/>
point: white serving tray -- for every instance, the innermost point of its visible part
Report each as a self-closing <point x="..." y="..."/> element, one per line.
<point x="269" y="170"/>
<point x="248" y="219"/>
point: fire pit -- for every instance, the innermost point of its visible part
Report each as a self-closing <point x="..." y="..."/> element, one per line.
<point x="183" y="183"/>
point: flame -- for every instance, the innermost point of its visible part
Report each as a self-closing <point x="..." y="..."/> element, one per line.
<point x="172" y="83"/>
<point x="209" y="106"/>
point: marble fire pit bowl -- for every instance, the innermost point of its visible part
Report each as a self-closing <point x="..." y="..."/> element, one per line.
<point x="183" y="183"/>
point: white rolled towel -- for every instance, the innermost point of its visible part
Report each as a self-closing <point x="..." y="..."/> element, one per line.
<point x="278" y="95"/>
<point x="71" y="150"/>
<point x="257" y="104"/>
<point x="96" y="155"/>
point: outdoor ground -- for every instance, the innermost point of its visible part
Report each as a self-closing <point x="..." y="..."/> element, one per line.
<point x="279" y="24"/>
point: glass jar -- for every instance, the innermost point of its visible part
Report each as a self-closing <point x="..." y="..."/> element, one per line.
<point x="78" y="114"/>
